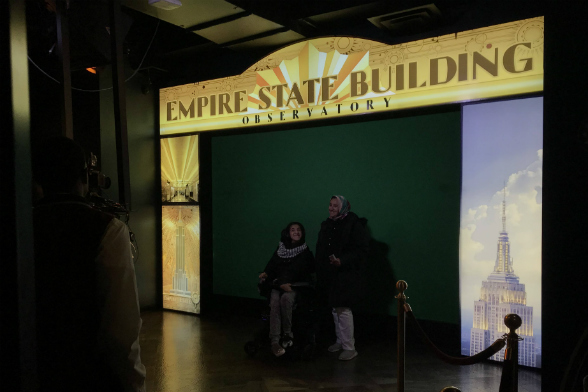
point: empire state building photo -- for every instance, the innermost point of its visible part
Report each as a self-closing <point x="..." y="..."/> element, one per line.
<point x="501" y="294"/>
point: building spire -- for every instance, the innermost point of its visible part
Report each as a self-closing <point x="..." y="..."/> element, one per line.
<point x="504" y="209"/>
<point x="503" y="263"/>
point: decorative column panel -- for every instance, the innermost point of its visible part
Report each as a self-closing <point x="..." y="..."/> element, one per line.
<point x="180" y="224"/>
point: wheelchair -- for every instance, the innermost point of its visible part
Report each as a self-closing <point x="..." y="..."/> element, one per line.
<point x="304" y="324"/>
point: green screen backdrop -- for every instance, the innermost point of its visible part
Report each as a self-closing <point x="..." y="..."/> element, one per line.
<point x="402" y="174"/>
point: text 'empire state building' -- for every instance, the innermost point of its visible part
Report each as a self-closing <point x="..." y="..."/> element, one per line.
<point x="500" y="295"/>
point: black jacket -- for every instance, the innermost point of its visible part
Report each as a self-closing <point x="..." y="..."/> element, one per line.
<point x="68" y="233"/>
<point x="348" y="240"/>
<point x="292" y="270"/>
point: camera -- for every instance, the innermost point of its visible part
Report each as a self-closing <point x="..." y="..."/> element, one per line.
<point x="97" y="180"/>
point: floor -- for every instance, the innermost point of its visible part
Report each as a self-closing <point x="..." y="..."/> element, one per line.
<point x="184" y="353"/>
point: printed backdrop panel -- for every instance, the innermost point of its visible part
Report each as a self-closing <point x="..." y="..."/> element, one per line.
<point x="181" y="258"/>
<point x="179" y="169"/>
<point x="500" y="230"/>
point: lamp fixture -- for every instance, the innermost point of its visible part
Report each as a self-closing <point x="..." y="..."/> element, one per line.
<point x="166" y="4"/>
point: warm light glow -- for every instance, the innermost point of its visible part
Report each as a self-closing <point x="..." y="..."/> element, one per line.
<point x="91" y="70"/>
<point x="181" y="258"/>
<point x="179" y="160"/>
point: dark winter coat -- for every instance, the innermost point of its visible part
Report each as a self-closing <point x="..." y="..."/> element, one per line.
<point x="348" y="240"/>
<point x="293" y="270"/>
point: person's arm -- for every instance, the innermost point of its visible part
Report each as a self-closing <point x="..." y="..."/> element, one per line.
<point x="120" y="314"/>
<point x="269" y="269"/>
<point x="310" y="262"/>
<point x="310" y="267"/>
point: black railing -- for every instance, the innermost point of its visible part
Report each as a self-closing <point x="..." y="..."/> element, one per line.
<point x="509" y="379"/>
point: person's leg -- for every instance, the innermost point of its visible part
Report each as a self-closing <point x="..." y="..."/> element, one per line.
<point x="337" y="330"/>
<point x="337" y="345"/>
<point x="345" y="319"/>
<point x="286" y="305"/>
<point x="344" y="328"/>
<point x="275" y="323"/>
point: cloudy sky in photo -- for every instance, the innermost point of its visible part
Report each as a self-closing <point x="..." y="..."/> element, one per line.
<point x="502" y="143"/>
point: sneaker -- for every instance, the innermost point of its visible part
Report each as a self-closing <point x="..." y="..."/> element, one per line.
<point x="346" y="355"/>
<point x="277" y="350"/>
<point x="335" y="347"/>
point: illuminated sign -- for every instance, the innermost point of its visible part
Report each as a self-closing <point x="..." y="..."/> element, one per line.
<point x="338" y="76"/>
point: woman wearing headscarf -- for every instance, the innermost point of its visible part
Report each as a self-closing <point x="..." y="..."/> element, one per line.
<point x="291" y="263"/>
<point x="341" y="249"/>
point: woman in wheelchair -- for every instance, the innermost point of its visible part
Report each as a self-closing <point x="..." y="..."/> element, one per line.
<point x="290" y="266"/>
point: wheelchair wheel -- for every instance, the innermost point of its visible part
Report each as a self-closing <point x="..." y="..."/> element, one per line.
<point x="251" y="348"/>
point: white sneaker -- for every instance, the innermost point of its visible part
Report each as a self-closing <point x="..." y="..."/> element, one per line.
<point x="335" y="347"/>
<point x="346" y="355"/>
<point x="277" y="350"/>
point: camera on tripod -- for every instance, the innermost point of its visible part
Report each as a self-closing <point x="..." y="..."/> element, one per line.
<point x="97" y="179"/>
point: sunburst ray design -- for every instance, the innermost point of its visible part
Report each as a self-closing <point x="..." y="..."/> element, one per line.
<point x="179" y="159"/>
<point x="309" y="64"/>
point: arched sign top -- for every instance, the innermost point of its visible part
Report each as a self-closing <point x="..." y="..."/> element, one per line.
<point x="339" y="76"/>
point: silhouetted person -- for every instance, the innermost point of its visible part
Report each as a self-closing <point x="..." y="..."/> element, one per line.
<point x="341" y="249"/>
<point x="88" y="318"/>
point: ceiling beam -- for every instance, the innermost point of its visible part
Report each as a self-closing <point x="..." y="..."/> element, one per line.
<point x="255" y="36"/>
<point x="279" y="15"/>
<point x="190" y="50"/>
<point x="219" y="21"/>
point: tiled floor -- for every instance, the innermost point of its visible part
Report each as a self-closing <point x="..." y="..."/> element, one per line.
<point x="185" y="353"/>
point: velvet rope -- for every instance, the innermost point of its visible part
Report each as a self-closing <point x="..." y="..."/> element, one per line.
<point x="487" y="353"/>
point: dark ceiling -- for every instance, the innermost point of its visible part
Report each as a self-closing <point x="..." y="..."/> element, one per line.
<point x="207" y="39"/>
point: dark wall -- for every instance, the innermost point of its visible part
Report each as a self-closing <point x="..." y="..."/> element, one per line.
<point x="402" y="174"/>
<point x="145" y="214"/>
<point x="565" y="195"/>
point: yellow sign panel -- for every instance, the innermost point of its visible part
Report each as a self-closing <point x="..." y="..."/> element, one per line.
<point x="340" y="76"/>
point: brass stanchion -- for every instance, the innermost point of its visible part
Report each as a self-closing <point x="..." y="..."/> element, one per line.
<point x="509" y="381"/>
<point x="401" y="285"/>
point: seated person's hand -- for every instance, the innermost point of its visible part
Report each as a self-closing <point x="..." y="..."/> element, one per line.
<point x="263" y="275"/>
<point x="287" y="287"/>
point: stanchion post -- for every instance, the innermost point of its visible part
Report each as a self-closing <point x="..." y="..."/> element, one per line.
<point x="510" y="372"/>
<point x="401" y="285"/>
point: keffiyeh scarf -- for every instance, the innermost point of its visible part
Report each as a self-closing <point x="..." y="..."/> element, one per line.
<point x="286" y="253"/>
